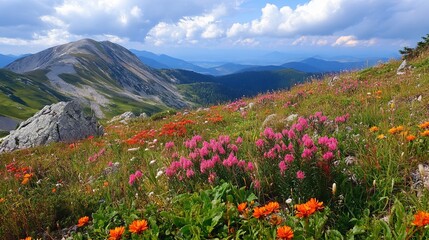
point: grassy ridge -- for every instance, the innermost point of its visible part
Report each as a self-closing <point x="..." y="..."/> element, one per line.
<point x="375" y="118"/>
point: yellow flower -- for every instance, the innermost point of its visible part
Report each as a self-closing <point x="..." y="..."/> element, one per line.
<point x="381" y="136"/>
<point x="373" y="129"/>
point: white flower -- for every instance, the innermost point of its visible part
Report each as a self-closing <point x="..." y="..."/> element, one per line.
<point x="133" y="149"/>
<point x="159" y="173"/>
<point x="152" y="162"/>
<point x="289" y="201"/>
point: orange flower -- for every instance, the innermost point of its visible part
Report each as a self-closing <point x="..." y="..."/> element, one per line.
<point x="2" y="200"/>
<point x="285" y="232"/>
<point x="259" y="212"/>
<point x="27" y="238"/>
<point x="138" y="226"/>
<point x="421" y="219"/>
<point x="424" y="125"/>
<point x="82" y="221"/>
<point x="392" y="130"/>
<point x="381" y="136"/>
<point x="425" y="133"/>
<point x="304" y="210"/>
<point x="116" y="234"/>
<point x="410" y="138"/>
<point x="373" y="129"/>
<point x="272" y="207"/>
<point x="308" y="208"/>
<point x="26" y="178"/>
<point x="400" y="128"/>
<point x="315" y="204"/>
<point x="242" y="207"/>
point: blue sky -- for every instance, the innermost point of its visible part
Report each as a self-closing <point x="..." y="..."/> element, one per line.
<point x="218" y="29"/>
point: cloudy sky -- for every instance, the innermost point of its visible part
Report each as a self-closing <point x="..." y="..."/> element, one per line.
<point x="198" y="29"/>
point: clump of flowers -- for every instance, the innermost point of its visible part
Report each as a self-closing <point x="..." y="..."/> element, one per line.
<point x="395" y="130"/>
<point x="175" y="128"/>
<point x="307" y="209"/>
<point x="289" y="156"/>
<point x="210" y="161"/>
<point x="134" y="177"/>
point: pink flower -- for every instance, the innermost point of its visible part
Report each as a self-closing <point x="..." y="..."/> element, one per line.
<point x="308" y="142"/>
<point x="256" y="184"/>
<point x="169" y="145"/>
<point x="138" y="174"/>
<point x="328" y="156"/>
<point x="260" y="143"/>
<point x="291" y="134"/>
<point x="233" y="147"/>
<point x="250" y="166"/>
<point x="239" y="140"/>
<point x="307" y="153"/>
<point x="197" y="138"/>
<point x="212" y="178"/>
<point x="269" y="133"/>
<point x="300" y="175"/>
<point x="241" y="164"/>
<point x="289" y="158"/>
<point x="190" y="173"/>
<point x="225" y="139"/>
<point x="204" y="151"/>
<point x="186" y="163"/>
<point x="132" y="179"/>
<point x="283" y="167"/>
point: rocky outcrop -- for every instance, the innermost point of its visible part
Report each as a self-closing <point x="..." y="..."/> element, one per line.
<point x="60" y="122"/>
<point x="123" y="117"/>
<point x="402" y="68"/>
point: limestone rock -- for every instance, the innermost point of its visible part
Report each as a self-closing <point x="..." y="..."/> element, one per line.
<point x="60" y="122"/>
<point x="269" y="120"/>
<point x="401" y="69"/>
<point x="123" y="117"/>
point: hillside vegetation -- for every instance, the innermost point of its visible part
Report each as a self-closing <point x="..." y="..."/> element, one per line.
<point x="329" y="159"/>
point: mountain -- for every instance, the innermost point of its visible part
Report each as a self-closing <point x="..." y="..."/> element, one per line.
<point x="313" y="65"/>
<point x="229" y="68"/>
<point x="6" y="59"/>
<point x="111" y="80"/>
<point x="105" y="75"/>
<point x="164" y="61"/>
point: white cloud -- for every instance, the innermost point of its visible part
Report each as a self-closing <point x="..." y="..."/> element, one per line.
<point x="349" y="41"/>
<point x="189" y="29"/>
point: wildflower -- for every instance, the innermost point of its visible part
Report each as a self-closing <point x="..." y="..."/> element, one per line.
<point x="421" y="219"/>
<point x="26" y="178"/>
<point x="334" y="188"/>
<point x="300" y="175"/>
<point x="272" y="207"/>
<point x="259" y="212"/>
<point x="410" y="138"/>
<point x="2" y="200"/>
<point x="285" y="232"/>
<point x="381" y="136"/>
<point x="116" y="234"/>
<point x="82" y="221"/>
<point x="138" y="226"/>
<point x="424" y="125"/>
<point x="425" y="133"/>
<point x="27" y="238"/>
<point x="373" y="129"/>
<point x="276" y="219"/>
<point x="289" y="200"/>
<point x="315" y="204"/>
<point x="308" y="208"/>
<point x="283" y="166"/>
<point x="260" y="143"/>
<point x="242" y="207"/>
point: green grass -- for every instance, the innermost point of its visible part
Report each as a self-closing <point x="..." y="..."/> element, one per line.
<point x="375" y="194"/>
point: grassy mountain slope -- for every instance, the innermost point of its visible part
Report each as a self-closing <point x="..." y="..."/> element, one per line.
<point x="21" y="96"/>
<point x="359" y="144"/>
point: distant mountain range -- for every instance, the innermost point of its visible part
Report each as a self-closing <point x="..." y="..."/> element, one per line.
<point x="110" y="79"/>
<point x="6" y="59"/>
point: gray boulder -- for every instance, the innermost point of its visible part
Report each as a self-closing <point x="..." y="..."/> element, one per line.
<point x="60" y="122"/>
<point x="123" y="117"/>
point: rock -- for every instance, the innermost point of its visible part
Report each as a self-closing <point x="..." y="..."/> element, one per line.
<point x="269" y="120"/>
<point x="60" y="122"/>
<point x="143" y="115"/>
<point x="123" y="117"/>
<point x="251" y="105"/>
<point x="333" y="80"/>
<point x="401" y="69"/>
<point x="291" y="118"/>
